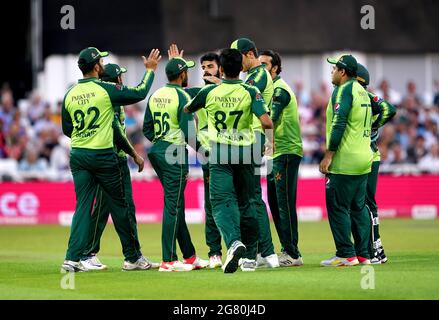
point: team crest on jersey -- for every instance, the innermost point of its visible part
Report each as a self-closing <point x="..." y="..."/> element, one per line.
<point x="258" y="96"/>
<point x="376" y="99"/>
<point x="251" y="82"/>
<point x="337" y="106"/>
<point x="118" y="87"/>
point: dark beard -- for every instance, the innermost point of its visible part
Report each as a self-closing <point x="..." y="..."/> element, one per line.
<point x="206" y="74"/>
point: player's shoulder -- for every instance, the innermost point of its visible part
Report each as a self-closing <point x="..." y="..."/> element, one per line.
<point x="109" y="85"/>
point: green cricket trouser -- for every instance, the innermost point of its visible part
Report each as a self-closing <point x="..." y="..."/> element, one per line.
<point x="90" y="169"/>
<point x="346" y="200"/>
<point x="232" y="198"/>
<point x="170" y="163"/>
<point x="101" y="211"/>
<point x="372" y="207"/>
<point x="212" y="234"/>
<point x="282" y="192"/>
<point x="265" y="241"/>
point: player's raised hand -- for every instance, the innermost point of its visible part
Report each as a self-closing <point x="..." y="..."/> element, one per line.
<point x="173" y="52"/>
<point x="153" y="59"/>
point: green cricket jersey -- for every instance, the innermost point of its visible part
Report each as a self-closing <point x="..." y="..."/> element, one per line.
<point x="120" y="118"/>
<point x="230" y="108"/>
<point x="383" y="112"/>
<point x="202" y="127"/>
<point x="348" y="129"/>
<point x="164" y="117"/>
<point x="261" y="78"/>
<point x="285" y="116"/>
<point x="89" y="106"/>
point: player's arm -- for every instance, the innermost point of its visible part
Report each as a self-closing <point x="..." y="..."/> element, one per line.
<point x="121" y="142"/>
<point x="123" y="95"/>
<point x="199" y="101"/>
<point x="148" y="124"/>
<point x="187" y="123"/>
<point x="67" y="123"/>
<point x="259" y="108"/>
<point x="383" y="109"/>
<point x="192" y="91"/>
<point x="281" y="98"/>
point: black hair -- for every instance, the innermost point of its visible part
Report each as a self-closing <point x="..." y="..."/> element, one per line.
<point x="231" y="61"/>
<point x="254" y="50"/>
<point x="275" y="59"/>
<point x="173" y="77"/>
<point x="114" y="80"/>
<point x="87" y="67"/>
<point x="210" y="56"/>
<point x="349" y="73"/>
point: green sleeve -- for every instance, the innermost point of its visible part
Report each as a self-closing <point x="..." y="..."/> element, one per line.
<point x="199" y="101"/>
<point x="148" y="124"/>
<point x="185" y="120"/>
<point x="119" y="137"/>
<point x="193" y="91"/>
<point x="67" y="124"/>
<point x="258" y="79"/>
<point x="342" y="107"/>
<point x="123" y="95"/>
<point x="281" y="99"/>
<point x="383" y="109"/>
<point x="258" y="103"/>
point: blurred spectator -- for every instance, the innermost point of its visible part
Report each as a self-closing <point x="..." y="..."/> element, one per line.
<point x="60" y="156"/>
<point x="3" y="153"/>
<point x="397" y="154"/>
<point x="430" y="162"/>
<point x="384" y="91"/>
<point x="417" y="151"/>
<point x="134" y="123"/>
<point x="36" y="107"/>
<point x="436" y="95"/>
<point x="31" y="162"/>
<point x="7" y="109"/>
<point x="412" y="93"/>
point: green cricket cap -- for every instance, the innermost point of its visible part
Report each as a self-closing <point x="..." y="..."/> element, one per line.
<point x="112" y="71"/>
<point x="177" y="65"/>
<point x="90" y="55"/>
<point x="346" y="61"/>
<point x="243" y="45"/>
<point x="363" y="75"/>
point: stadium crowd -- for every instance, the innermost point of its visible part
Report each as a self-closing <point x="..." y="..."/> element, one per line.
<point x="30" y="133"/>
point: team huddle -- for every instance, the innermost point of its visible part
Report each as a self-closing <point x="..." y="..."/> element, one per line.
<point x="232" y="125"/>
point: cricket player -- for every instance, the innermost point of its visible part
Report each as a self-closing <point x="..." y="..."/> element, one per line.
<point x="211" y="75"/>
<point x="347" y="163"/>
<point x="101" y="211"/>
<point x="168" y="128"/>
<point x="259" y="77"/>
<point x="230" y="108"/>
<point x="383" y="112"/>
<point x="87" y="118"/>
<point x="282" y="180"/>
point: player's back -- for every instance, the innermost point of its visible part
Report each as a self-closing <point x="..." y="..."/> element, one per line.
<point x="230" y="115"/>
<point x="91" y="111"/>
<point x="166" y="106"/>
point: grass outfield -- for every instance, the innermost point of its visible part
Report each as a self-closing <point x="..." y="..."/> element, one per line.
<point x="30" y="259"/>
